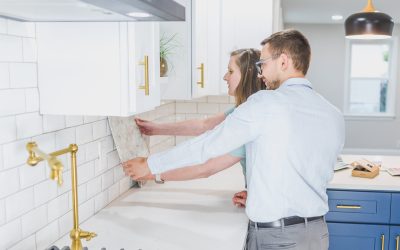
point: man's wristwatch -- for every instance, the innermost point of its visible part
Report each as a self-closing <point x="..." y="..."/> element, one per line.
<point x="158" y="179"/>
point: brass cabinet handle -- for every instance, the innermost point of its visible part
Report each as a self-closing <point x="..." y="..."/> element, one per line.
<point x="146" y="85"/>
<point x="201" y="82"/>
<point x="348" y="206"/>
<point x="397" y="242"/>
<point x="383" y="241"/>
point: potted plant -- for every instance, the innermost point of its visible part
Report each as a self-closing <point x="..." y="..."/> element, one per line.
<point x="168" y="44"/>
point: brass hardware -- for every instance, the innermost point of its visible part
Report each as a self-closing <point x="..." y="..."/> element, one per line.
<point x="201" y="68"/>
<point x="146" y="85"/>
<point x="397" y="242"/>
<point x="383" y="241"/>
<point x="36" y="156"/>
<point x="348" y="206"/>
<point x="369" y="7"/>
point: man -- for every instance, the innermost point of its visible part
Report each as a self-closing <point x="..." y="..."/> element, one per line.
<point x="292" y="137"/>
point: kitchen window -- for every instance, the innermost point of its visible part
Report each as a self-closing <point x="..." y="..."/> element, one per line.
<point x="370" y="83"/>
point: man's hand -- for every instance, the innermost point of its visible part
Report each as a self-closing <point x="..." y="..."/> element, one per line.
<point x="136" y="168"/>
<point x="147" y="127"/>
<point x="239" y="199"/>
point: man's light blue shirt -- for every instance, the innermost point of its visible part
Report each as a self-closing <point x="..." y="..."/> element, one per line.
<point x="292" y="137"/>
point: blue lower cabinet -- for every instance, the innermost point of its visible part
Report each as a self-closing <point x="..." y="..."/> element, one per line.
<point x="395" y="216"/>
<point x="346" y="236"/>
<point x="394" y="243"/>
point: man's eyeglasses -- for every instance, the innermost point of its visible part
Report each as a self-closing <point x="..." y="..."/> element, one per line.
<point x="261" y="62"/>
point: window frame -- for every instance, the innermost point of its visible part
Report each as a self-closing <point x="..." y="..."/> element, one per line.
<point x="391" y="89"/>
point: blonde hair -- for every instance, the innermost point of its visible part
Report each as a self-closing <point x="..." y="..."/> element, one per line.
<point x="249" y="82"/>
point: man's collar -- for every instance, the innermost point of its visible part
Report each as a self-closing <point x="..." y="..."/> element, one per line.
<point x="297" y="81"/>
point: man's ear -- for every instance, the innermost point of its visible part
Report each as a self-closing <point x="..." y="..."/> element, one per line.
<point x="284" y="60"/>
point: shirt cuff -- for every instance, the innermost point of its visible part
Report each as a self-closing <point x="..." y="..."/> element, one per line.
<point x="154" y="165"/>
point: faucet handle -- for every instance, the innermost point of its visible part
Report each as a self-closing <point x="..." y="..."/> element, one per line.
<point x="87" y="235"/>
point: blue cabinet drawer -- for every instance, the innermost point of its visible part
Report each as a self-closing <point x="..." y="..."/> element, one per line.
<point x="344" y="236"/>
<point x="363" y="207"/>
<point x="395" y="216"/>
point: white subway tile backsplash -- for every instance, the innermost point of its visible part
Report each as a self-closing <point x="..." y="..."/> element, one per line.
<point x="46" y="142"/>
<point x="9" y="182"/>
<point x="208" y="108"/>
<point x="34" y="220"/>
<point x="84" y="134"/>
<point x="186" y="107"/>
<point x="53" y="122"/>
<point x="100" y="201"/>
<point x="99" y="129"/>
<point x="82" y="194"/>
<point x="232" y="99"/>
<point x="2" y="212"/>
<point x="113" y="159"/>
<point x="14" y="154"/>
<point x="100" y="165"/>
<point x="218" y="99"/>
<point x="124" y="184"/>
<point x="4" y="76"/>
<point x="92" y="150"/>
<point x="86" y="210"/>
<point x="31" y="175"/>
<point x="32" y="100"/>
<point x="29" y="49"/>
<point x="19" y="203"/>
<point x="10" y="49"/>
<point x="113" y="192"/>
<point x="29" y="125"/>
<point x="107" y="179"/>
<point x="107" y="145"/>
<point x="198" y="100"/>
<point x="196" y="116"/>
<point x="65" y="137"/>
<point x="10" y="234"/>
<point x="46" y="236"/>
<point x="71" y="120"/>
<point x="12" y="101"/>
<point x="90" y="119"/>
<point x="24" y="29"/>
<point x="8" y="131"/>
<point x="85" y="172"/>
<point x="45" y="191"/>
<point x="28" y="243"/>
<point x="58" y="207"/>
<point x="93" y="187"/>
<point x="23" y="75"/>
<point x="225" y="107"/>
<point x="65" y="223"/>
<point x="118" y="174"/>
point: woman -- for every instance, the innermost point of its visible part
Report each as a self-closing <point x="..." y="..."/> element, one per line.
<point x="243" y="81"/>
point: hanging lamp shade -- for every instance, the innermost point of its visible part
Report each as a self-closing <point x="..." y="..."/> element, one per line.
<point x="369" y="24"/>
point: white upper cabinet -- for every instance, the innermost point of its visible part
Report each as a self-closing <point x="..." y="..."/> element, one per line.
<point x="194" y="64"/>
<point x="98" y="68"/>
<point x="214" y="29"/>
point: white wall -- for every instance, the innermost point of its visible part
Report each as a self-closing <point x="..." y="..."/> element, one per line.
<point x="34" y="212"/>
<point x="327" y="75"/>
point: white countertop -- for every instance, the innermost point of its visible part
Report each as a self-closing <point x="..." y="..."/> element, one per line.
<point x="383" y="182"/>
<point x="197" y="214"/>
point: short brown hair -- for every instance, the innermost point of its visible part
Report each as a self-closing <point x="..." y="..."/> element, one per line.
<point x="292" y="43"/>
<point x="249" y="81"/>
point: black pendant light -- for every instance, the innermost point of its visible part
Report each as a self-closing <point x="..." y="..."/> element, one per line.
<point x="369" y="24"/>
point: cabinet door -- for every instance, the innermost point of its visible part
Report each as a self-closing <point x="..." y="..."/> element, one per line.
<point x="394" y="241"/>
<point x="144" y="66"/>
<point x="177" y="85"/>
<point x="346" y="236"/>
<point x="206" y="42"/>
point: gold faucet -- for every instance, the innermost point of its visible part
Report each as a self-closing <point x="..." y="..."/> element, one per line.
<point x="36" y="156"/>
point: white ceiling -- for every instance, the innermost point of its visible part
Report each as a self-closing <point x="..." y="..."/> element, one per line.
<point x="320" y="11"/>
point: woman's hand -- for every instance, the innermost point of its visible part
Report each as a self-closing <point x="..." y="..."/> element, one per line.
<point x="239" y="199"/>
<point x="148" y="127"/>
